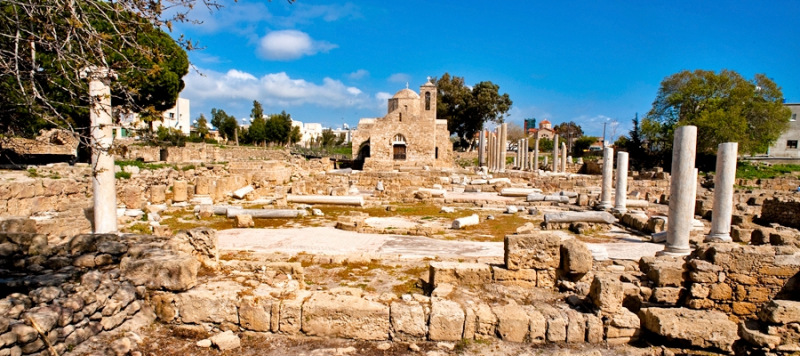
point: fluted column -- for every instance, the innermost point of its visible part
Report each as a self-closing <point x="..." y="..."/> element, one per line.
<point x="608" y="173"/>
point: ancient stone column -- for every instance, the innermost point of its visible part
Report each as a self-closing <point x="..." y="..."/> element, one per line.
<point x="723" y="192"/>
<point x="518" y="157"/>
<point x="622" y="183"/>
<point x="525" y="156"/>
<point x="536" y="152"/>
<point x="682" y="187"/>
<point x="104" y="192"/>
<point x="545" y="160"/>
<point x="608" y="173"/>
<point x="494" y="152"/>
<point x="481" y="148"/>
<point x="555" y="154"/>
<point x="490" y="151"/>
<point x="503" y="146"/>
<point x="563" y="157"/>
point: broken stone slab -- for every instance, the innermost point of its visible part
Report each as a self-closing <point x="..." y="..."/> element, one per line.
<point x="579" y="216"/>
<point x="345" y="316"/>
<point x="599" y="252"/>
<point x="265" y="213"/>
<point x="659" y="236"/>
<point x="459" y="273"/>
<point x="479" y="182"/>
<point x="499" y="180"/>
<point x="568" y="194"/>
<point x="201" y="200"/>
<point x="226" y="341"/>
<point x="459" y="223"/>
<point x="519" y="192"/>
<point x="448" y="209"/>
<point x="355" y="200"/>
<point x="241" y="192"/>
<point x="698" y="328"/>
<point x="781" y="312"/>
<point x="341" y="171"/>
<point x="160" y="269"/>
<point x="434" y="192"/>
<point x="748" y="331"/>
<point x="632" y="203"/>
<point x="541" y="197"/>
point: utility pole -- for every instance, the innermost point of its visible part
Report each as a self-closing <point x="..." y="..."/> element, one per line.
<point x="604" y="133"/>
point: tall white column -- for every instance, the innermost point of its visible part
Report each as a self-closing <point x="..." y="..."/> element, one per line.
<point x="503" y="146"/>
<point x="545" y="160"/>
<point x="608" y="173"/>
<point x="682" y="191"/>
<point x="105" y="194"/>
<point x="555" y="153"/>
<point x="490" y="153"/>
<point x="620" y="198"/>
<point x="518" y="162"/>
<point x="536" y="153"/>
<point x="481" y="148"/>
<point x="563" y="157"/>
<point x="723" y="192"/>
<point x="525" y="155"/>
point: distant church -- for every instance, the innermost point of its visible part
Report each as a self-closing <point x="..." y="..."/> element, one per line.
<point x="408" y="136"/>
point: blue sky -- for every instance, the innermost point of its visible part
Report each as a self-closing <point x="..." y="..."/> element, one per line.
<point x="583" y="61"/>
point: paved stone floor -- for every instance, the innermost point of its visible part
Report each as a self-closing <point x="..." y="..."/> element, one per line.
<point x="331" y="241"/>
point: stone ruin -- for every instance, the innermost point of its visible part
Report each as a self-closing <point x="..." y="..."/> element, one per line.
<point x="557" y="280"/>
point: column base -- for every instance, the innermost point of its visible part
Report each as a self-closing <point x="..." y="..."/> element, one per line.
<point x="620" y="210"/>
<point x="718" y="238"/>
<point x="603" y="205"/>
<point x="672" y="251"/>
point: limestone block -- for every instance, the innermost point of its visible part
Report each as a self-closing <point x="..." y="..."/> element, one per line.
<point x="594" y="329"/>
<point x="781" y="312"/>
<point x="504" y="275"/>
<point x="203" y="186"/>
<point x="485" y="321"/>
<point x="446" y="321"/>
<point x="556" y="323"/>
<point x="160" y="269"/>
<point x="180" y="191"/>
<point x="533" y="251"/>
<point x="575" y="257"/>
<point x="345" y="316"/>
<point x="158" y="194"/>
<point x="131" y="196"/>
<point x="215" y="302"/>
<point x="667" y="295"/>
<point x="698" y="328"/>
<point x="748" y="331"/>
<point x="576" y="326"/>
<point x="606" y="293"/>
<point x="408" y="321"/>
<point x="470" y="323"/>
<point x="226" y="341"/>
<point x="537" y="326"/>
<point x="512" y="322"/>
<point x="546" y="278"/>
<point x="291" y="314"/>
<point x="459" y="273"/>
<point x="255" y="313"/>
<point x="203" y="243"/>
<point x="244" y="221"/>
<point x="666" y="272"/>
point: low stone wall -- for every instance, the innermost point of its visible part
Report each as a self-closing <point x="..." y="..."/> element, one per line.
<point x="784" y="211"/>
<point x="57" y="296"/>
<point x="199" y="152"/>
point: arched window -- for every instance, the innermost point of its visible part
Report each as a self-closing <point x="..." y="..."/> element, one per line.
<point x="399" y="139"/>
<point x="427" y="100"/>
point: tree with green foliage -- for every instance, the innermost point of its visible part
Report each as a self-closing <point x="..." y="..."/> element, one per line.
<point x="41" y="85"/>
<point x="295" y="136"/>
<point x="257" y="133"/>
<point x="724" y="106"/>
<point x="201" y="126"/>
<point x="582" y="144"/>
<point x="328" y="138"/>
<point x="468" y="109"/>
<point x="225" y="124"/>
<point x="279" y="127"/>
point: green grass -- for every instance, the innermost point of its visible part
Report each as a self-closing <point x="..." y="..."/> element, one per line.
<point x="746" y="170"/>
<point x="142" y="165"/>
<point x="122" y="175"/>
<point x="186" y="168"/>
<point x="343" y="150"/>
<point x="33" y="173"/>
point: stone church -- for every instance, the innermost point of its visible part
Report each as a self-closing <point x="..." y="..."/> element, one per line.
<point x="408" y="136"/>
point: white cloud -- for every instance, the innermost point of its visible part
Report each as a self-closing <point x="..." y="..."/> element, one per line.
<point x="399" y="78"/>
<point x="275" y="89"/>
<point x="290" y="44"/>
<point x="361" y="73"/>
<point x="304" y="14"/>
<point x="383" y="96"/>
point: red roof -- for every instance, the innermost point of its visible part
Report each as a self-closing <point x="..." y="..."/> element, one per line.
<point x="545" y="122"/>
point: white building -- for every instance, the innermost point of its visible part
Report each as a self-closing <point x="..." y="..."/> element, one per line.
<point x="177" y="117"/>
<point x="308" y="132"/>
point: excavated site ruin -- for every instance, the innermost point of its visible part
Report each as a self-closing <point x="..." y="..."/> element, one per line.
<point x="247" y="251"/>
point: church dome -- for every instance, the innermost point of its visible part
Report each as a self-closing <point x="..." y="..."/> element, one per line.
<point x="406" y="94"/>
